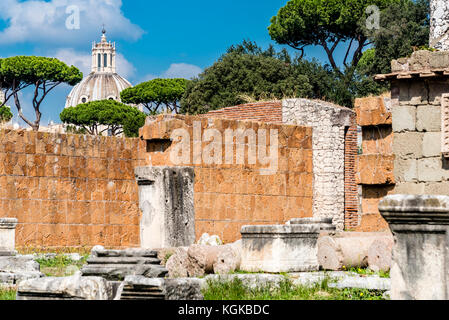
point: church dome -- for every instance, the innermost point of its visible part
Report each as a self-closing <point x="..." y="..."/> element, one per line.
<point x="103" y="83"/>
<point x="97" y="86"/>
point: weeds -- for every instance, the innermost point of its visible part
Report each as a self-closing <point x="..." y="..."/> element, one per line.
<point x="286" y="290"/>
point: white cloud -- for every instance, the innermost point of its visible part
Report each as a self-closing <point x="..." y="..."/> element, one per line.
<point x="177" y="70"/>
<point x="182" y="70"/>
<point x="44" y="22"/>
<point x="83" y="61"/>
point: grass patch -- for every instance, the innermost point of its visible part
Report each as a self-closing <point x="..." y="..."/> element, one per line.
<point x="61" y="265"/>
<point x="368" y="272"/>
<point x="7" y="294"/>
<point x="236" y="290"/>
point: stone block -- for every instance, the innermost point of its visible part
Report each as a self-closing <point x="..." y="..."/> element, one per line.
<point x="431" y="146"/>
<point x="7" y="236"/>
<point x="115" y="265"/>
<point x="436" y="188"/>
<point x="420" y="225"/>
<point x="431" y="170"/>
<point x="439" y="60"/>
<point x="405" y="170"/>
<point x="69" y="288"/>
<point x="371" y="111"/>
<point x="286" y="248"/>
<point x="415" y="188"/>
<point x="375" y="169"/>
<point x="408" y="145"/>
<point x="167" y="203"/>
<point x="404" y="118"/>
<point x="141" y="288"/>
<point x="428" y="118"/>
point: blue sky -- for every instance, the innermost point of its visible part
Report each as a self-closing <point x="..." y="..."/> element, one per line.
<point x="154" y="38"/>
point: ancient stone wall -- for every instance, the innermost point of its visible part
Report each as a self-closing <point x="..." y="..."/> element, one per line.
<point x="330" y="124"/>
<point x="70" y="190"/>
<point x="266" y="111"/>
<point x="419" y="90"/>
<point x="233" y="194"/>
<point x="375" y="164"/>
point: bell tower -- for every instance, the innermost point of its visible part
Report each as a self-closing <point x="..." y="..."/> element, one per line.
<point x="103" y="56"/>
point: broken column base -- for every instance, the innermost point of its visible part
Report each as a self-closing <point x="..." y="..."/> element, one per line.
<point x="280" y="248"/>
<point x="7" y="237"/>
<point x="420" y="225"/>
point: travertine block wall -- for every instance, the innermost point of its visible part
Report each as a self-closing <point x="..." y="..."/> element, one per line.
<point x="375" y="165"/>
<point x="419" y="166"/>
<point x="330" y="124"/>
<point x="229" y="196"/>
<point x="70" y="190"/>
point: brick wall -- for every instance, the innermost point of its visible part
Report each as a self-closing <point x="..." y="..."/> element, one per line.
<point x="351" y="188"/>
<point x="266" y="111"/>
<point x="375" y="166"/>
<point x="228" y="196"/>
<point x="70" y="190"/>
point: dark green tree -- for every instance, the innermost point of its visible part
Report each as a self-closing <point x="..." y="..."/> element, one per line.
<point x="247" y="71"/>
<point x="326" y="23"/>
<point x="99" y="117"/>
<point x="5" y="114"/>
<point x="156" y="94"/>
<point x="40" y="73"/>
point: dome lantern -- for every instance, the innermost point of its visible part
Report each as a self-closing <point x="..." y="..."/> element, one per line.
<point x="103" y="82"/>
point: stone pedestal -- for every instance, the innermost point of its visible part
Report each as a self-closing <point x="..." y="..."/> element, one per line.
<point x="282" y="248"/>
<point x="420" y="225"/>
<point x="167" y="204"/>
<point x="7" y="236"/>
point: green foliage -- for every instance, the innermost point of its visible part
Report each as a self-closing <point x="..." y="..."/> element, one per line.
<point x="117" y="117"/>
<point x="247" y="70"/>
<point x="5" y="114"/>
<point x="61" y="265"/>
<point x="236" y="290"/>
<point x="7" y="294"/>
<point x="326" y="23"/>
<point x="404" y="28"/>
<point x="44" y="74"/>
<point x="368" y="272"/>
<point x="156" y="93"/>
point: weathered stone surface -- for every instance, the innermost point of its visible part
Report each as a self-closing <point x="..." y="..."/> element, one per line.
<point x="178" y="263"/>
<point x="408" y="145"/>
<point x="201" y="259"/>
<point x="115" y="265"/>
<point x="439" y="26"/>
<point x="229" y="259"/>
<point x="324" y="223"/>
<point x="329" y="123"/>
<point x="405" y="170"/>
<point x="18" y="264"/>
<point x="164" y="254"/>
<point x="431" y="170"/>
<point x="404" y="118"/>
<point x="420" y="225"/>
<point x="208" y="240"/>
<point x="7" y="236"/>
<point x="375" y="169"/>
<point x="431" y="146"/>
<point x="69" y="288"/>
<point x="141" y="288"/>
<point x="372" y="111"/>
<point x="287" y="248"/>
<point x="428" y="118"/>
<point x="166" y="200"/>
<point x="379" y="254"/>
<point x="410" y="188"/>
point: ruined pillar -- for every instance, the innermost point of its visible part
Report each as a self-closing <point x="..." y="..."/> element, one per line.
<point x="7" y="236"/>
<point x="166" y="201"/>
<point x="280" y="248"/>
<point x="420" y="266"/>
<point x="439" y="24"/>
